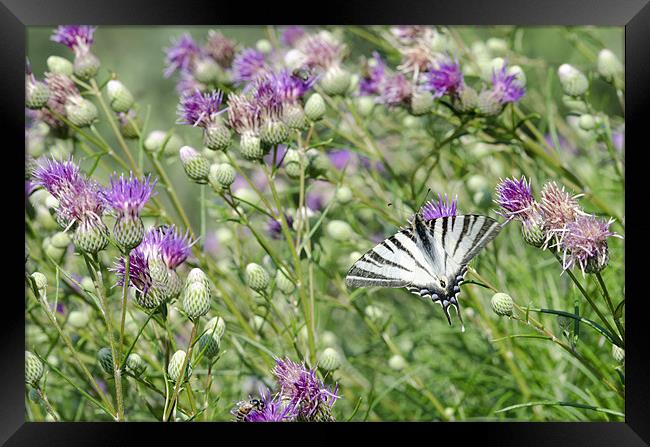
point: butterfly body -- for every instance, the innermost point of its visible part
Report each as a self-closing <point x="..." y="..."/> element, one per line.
<point x="428" y="258"/>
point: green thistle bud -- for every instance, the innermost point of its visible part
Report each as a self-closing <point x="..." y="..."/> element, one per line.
<point x="129" y="125"/>
<point x="335" y="81"/>
<point x="467" y="99"/>
<point x="154" y="297"/>
<point x="196" y="294"/>
<point x="586" y="122"/>
<point x="329" y="339"/>
<point x="196" y="165"/>
<point x="596" y="264"/>
<point x="317" y="163"/>
<point x="128" y="232"/>
<point x="207" y="71"/>
<point x="40" y="280"/>
<point x="86" y="65"/>
<point x="78" y="319"/>
<point x="315" y="107"/>
<point x="219" y="326"/>
<point x="294" y="116"/>
<point x="329" y="359"/>
<point x="175" y="365"/>
<point x="365" y="105"/>
<point x="221" y="176"/>
<point x="209" y="345"/>
<point x="609" y="67"/>
<point x="617" y="352"/>
<point x="344" y="195"/>
<point x="257" y="322"/>
<point x="80" y="111"/>
<point x="155" y="140"/>
<point x="339" y="230"/>
<point x="574" y="105"/>
<point x="285" y="285"/>
<point x="488" y="104"/>
<point x="256" y="277"/>
<point x="573" y="82"/>
<point x="119" y="96"/>
<point x="91" y="237"/>
<point x="519" y="73"/>
<point x="274" y="132"/>
<point x="533" y="233"/>
<point x="135" y="364"/>
<point x="61" y="240"/>
<point x="33" y="369"/>
<point x="105" y="359"/>
<point x="250" y="146"/>
<point x="36" y="93"/>
<point x="54" y="252"/>
<point x="397" y="362"/>
<point x="497" y="46"/>
<point x="59" y="65"/>
<point x="264" y="46"/>
<point x="412" y="122"/>
<point x="374" y="313"/>
<point x="174" y="284"/>
<point x="421" y="102"/>
<point x="502" y="304"/>
<point x="292" y="164"/>
<point x="217" y="136"/>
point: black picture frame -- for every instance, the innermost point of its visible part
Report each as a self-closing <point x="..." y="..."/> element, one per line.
<point x="16" y="15"/>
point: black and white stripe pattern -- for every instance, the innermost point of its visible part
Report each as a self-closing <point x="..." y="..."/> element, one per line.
<point x="429" y="258"/>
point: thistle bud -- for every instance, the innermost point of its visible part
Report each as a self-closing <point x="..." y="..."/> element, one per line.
<point x="488" y="103"/>
<point x="196" y="165"/>
<point x="329" y="339"/>
<point x="573" y="82"/>
<point x="596" y="264"/>
<point x="609" y="67"/>
<point x="467" y="99"/>
<point x="207" y="71"/>
<point x="128" y="232"/>
<point x="174" y="284"/>
<point x="283" y="283"/>
<point x="175" y="365"/>
<point x="329" y="359"/>
<point x="91" y="237"/>
<point x="497" y="46"/>
<point x="78" y="319"/>
<point x="365" y="105"/>
<point x="344" y="195"/>
<point x="412" y="122"/>
<point x="221" y="176"/>
<point x="574" y="105"/>
<point x="54" y="252"/>
<point x="502" y="304"/>
<point x="519" y="73"/>
<point x="86" y="65"/>
<point x="250" y="146"/>
<point x="135" y="364"/>
<point x="315" y="107"/>
<point x="257" y="322"/>
<point x="274" y="132"/>
<point x="263" y="46"/>
<point x="59" y="65"/>
<point x="336" y="80"/>
<point x="119" y="96"/>
<point x="36" y="93"/>
<point x="61" y="240"/>
<point x="217" y="136"/>
<point x="532" y="231"/>
<point x="209" y="345"/>
<point x="156" y="138"/>
<point x="33" y="369"/>
<point x="339" y="230"/>
<point x="374" y="313"/>
<point x="196" y="294"/>
<point x="317" y="163"/>
<point x="397" y="362"/>
<point x="586" y="122"/>
<point x="421" y="102"/>
<point x="80" y="111"/>
<point x="292" y="164"/>
<point x="617" y="352"/>
<point x="41" y="281"/>
<point x="105" y="359"/>
<point x="256" y="277"/>
<point x="217" y="324"/>
<point x="294" y="116"/>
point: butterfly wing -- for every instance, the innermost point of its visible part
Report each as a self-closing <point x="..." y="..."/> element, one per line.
<point x="395" y="262"/>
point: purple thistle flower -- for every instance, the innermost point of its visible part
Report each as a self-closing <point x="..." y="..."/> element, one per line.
<point x="515" y="197"/>
<point x="290" y="88"/>
<point x="435" y="210"/>
<point x="340" y="158"/>
<point x="127" y="197"/>
<point x="408" y="34"/>
<point x="321" y="51"/>
<point x="445" y="79"/>
<point x="181" y="55"/>
<point x="559" y="209"/>
<point x="244" y="114"/>
<point x="291" y="35"/>
<point x="585" y="244"/>
<point x="248" y="65"/>
<point x="139" y="274"/>
<point x="74" y="36"/>
<point x="188" y="84"/>
<point x="168" y="243"/>
<point x="198" y="109"/>
<point x="505" y="87"/>
<point x="273" y="409"/>
<point x="56" y="176"/>
<point x="395" y="90"/>
<point x="301" y="386"/>
<point x="220" y="48"/>
<point x="274" y="227"/>
<point x="370" y="84"/>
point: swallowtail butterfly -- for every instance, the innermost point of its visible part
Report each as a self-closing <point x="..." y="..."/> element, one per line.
<point x="429" y="258"/>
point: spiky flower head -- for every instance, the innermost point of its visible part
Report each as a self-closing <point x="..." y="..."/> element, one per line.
<point x="180" y="56"/>
<point x="291" y="35"/>
<point x="506" y="87"/>
<point x="61" y="87"/>
<point x="321" y="51"/>
<point x="395" y="90"/>
<point x="303" y="389"/>
<point x="409" y="34"/>
<point x="559" y="208"/>
<point x="56" y="176"/>
<point x="139" y="275"/>
<point x="220" y="48"/>
<point x="36" y="92"/>
<point x="445" y="79"/>
<point x="272" y="409"/>
<point x="243" y="114"/>
<point x="75" y="37"/>
<point x="515" y="198"/>
<point x="584" y="244"/>
<point x="374" y="76"/>
<point x="127" y="197"/>
<point x="199" y="109"/>
<point x="248" y="65"/>
<point x="169" y="243"/>
<point x="441" y="208"/>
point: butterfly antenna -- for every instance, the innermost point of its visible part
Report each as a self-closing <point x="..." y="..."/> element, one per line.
<point x="426" y="196"/>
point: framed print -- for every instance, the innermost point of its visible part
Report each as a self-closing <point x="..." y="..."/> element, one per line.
<point x="397" y="214"/>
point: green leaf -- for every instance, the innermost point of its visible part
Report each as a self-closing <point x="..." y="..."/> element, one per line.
<point x="618" y="312"/>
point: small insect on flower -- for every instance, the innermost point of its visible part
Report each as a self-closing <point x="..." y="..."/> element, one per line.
<point x="245" y="407"/>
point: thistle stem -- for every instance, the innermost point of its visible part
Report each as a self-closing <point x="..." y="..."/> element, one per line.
<point x="125" y="292"/>
<point x="48" y="405"/>
<point x="610" y="305"/>
<point x="202" y="199"/>
<point x="181" y="378"/>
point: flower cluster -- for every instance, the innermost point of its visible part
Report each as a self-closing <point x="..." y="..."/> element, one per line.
<point x="558" y="222"/>
<point x="301" y="396"/>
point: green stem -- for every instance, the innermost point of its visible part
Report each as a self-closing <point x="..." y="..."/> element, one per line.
<point x="48" y="405"/>
<point x="125" y="292"/>
<point x="610" y="305"/>
<point x="181" y="378"/>
<point x="202" y="199"/>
